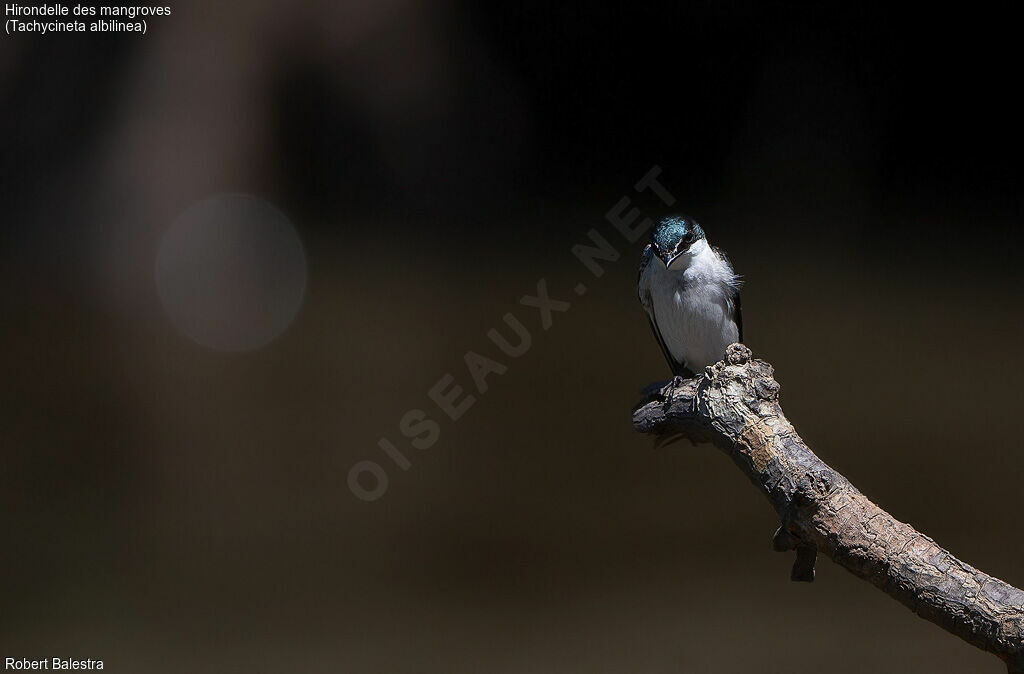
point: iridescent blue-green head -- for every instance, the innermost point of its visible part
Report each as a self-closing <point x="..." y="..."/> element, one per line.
<point x="674" y="236"/>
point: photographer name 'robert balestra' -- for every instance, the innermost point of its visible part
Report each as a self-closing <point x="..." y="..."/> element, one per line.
<point x="51" y="664"/>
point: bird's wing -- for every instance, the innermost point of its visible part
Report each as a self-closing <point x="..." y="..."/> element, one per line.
<point x="737" y="282"/>
<point x="739" y="314"/>
<point x="643" y="287"/>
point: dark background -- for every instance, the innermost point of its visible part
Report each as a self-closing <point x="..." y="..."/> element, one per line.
<point x="168" y="507"/>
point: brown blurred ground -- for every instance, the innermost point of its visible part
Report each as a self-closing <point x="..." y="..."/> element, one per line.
<point x="169" y="508"/>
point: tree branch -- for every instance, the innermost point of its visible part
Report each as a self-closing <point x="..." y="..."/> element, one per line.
<point x="735" y="405"/>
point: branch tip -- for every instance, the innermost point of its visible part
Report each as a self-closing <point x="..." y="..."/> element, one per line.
<point x="735" y="405"/>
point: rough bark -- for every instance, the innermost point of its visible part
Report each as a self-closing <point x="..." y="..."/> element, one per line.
<point x="735" y="405"/>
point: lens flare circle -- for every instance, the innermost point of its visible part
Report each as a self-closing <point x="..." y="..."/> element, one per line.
<point x="231" y="273"/>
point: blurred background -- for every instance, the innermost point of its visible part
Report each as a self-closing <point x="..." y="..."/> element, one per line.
<point x="189" y="374"/>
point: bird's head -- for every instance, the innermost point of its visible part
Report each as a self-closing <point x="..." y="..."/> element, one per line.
<point x="675" y="237"/>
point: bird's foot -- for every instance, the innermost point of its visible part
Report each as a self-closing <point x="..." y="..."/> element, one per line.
<point x="695" y="402"/>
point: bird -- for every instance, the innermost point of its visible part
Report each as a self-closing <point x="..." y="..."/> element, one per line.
<point x="691" y="295"/>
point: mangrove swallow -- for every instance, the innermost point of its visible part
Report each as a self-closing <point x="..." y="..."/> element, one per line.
<point x="691" y="296"/>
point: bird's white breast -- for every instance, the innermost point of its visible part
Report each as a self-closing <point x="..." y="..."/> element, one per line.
<point x="692" y="307"/>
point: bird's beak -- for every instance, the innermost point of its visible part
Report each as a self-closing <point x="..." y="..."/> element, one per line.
<point x="669" y="258"/>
